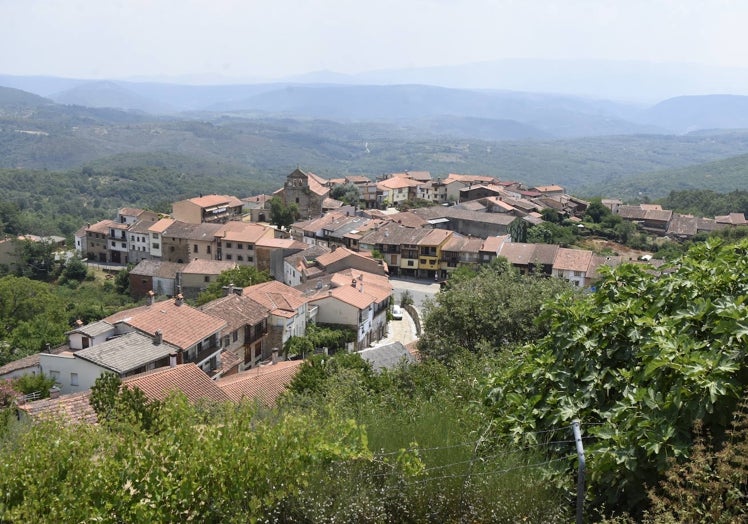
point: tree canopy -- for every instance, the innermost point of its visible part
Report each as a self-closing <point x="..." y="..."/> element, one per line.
<point x="281" y="214"/>
<point x="640" y="360"/>
<point x="490" y="307"/>
<point x="240" y="276"/>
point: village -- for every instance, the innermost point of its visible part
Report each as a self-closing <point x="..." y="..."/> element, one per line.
<point x="337" y="265"/>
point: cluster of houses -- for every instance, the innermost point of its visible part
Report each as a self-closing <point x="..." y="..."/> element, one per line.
<point x="331" y="267"/>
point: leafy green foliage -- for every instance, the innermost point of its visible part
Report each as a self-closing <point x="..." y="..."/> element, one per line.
<point x="318" y="337"/>
<point x="28" y="384"/>
<point x="644" y="357"/>
<point x="228" y="465"/>
<point x="347" y="193"/>
<point x="283" y="215"/>
<point x="30" y="317"/>
<point x="706" y="203"/>
<point x="240" y="276"/>
<point x="492" y="307"/>
<point x="74" y="270"/>
<point x="316" y="371"/>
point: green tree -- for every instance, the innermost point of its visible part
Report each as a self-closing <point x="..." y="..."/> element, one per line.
<point x="283" y="215"/>
<point x="347" y="193"/>
<point x="640" y="359"/>
<point x="596" y="211"/>
<point x="37" y="260"/>
<point x="75" y="270"/>
<point x="518" y="230"/>
<point x="316" y="371"/>
<point x="492" y="307"/>
<point x="28" y="384"/>
<point x="240" y="276"/>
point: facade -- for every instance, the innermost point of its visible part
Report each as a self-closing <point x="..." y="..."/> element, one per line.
<point x="209" y="208"/>
<point x="199" y="274"/>
<point x="307" y="191"/>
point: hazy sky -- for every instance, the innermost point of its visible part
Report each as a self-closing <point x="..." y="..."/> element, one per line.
<point x="262" y="39"/>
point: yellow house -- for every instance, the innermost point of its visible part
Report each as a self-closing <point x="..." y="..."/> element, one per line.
<point x="430" y="252"/>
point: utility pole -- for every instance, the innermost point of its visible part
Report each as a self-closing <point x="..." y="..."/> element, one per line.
<point x="580" y="473"/>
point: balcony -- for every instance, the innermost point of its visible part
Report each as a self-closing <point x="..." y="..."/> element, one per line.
<point x="203" y="355"/>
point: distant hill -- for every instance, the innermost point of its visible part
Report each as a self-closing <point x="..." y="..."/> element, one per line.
<point x="684" y="114"/>
<point x="14" y="100"/>
<point x="721" y="176"/>
<point x="109" y="94"/>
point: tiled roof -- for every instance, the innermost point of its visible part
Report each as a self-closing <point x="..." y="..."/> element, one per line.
<point x="73" y="408"/>
<point x="435" y="237"/>
<point x="683" y="225"/>
<point x="469" y="178"/>
<point x="544" y="254"/>
<point x="243" y="232"/>
<point x="276" y="296"/>
<point x="394" y="234"/>
<point x="335" y="256"/>
<point x="162" y="225"/>
<point x="157" y="268"/>
<point x="572" y="259"/>
<point x="517" y="253"/>
<point x="357" y="179"/>
<point x="144" y="223"/>
<point x="736" y="219"/>
<point x="186" y="378"/>
<point x="29" y="361"/>
<point x="126" y="353"/>
<point x="631" y="212"/>
<point x="181" y="325"/>
<point x="430" y="213"/>
<point x="215" y="200"/>
<point x="101" y="227"/>
<point x="130" y="211"/>
<point x="331" y="203"/>
<point x="94" y="329"/>
<point x="598" y="260"/>
<point x="548" y="189"/>
<point x="472" y="205"/>
<point x="661" y="215"/>
<point x="280" y="243"/>
<point x="237" y="310"/>
<point x="264" y="383"/>
<point x="407" y="219"/>
<point x="203" y="232"/>
<point x="388" y="356"/>
<point x="397" y="182"/>
<point x="493" y="244"/>
<point x="207" y="267"/>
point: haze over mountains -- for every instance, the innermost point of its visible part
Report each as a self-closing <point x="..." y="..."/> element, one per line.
<point x="371" y="124"/>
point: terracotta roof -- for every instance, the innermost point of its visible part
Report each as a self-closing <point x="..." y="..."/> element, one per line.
<point x="598" y="260"/>
<point x="357" y="179"/>
<point x="101" y="227"/>
<point x="397" y="182"/>
<point x="335" y="256"/>
<point x="264" y="383"/>
<point x="469" y="178"/>
<point x="207" y="267"/>
<point x="280" y="243"/>
<point x="243" y="232"/>
<point x="435" y="237"/>
<point x="162" y="225"/>
<point x="181" y="325"/>
<point x="548" y="189"/>
<point x="421" y="176"/>
<point x="215" y="200"/>
<point x="493" y="244"/>
<point x="394" y="234"/>
<point x="631" y="212"/>
<point x="662" y="215"/>
<point x="73" y="408"/>
<point x="237" y="310"/>
<point x="331" y="203"/>
<point x="186" y="378"/>
<point x="736" y="219"/>
<point x="389" y="356"/>
<point x="130" y="211"/>
<point x="517" y="253"/>
<point x="572" y="259"/>
<point x="544" y="254"/>
<point x="29" y="361"/>
<point x="348" y="295"/>
<point x="276" y="297"/>
<point x="651" y="207"/>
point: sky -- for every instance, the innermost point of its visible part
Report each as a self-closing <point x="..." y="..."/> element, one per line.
<point x="274" y="39"/>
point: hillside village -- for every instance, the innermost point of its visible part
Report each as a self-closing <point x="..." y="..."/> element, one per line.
<point x="331" y="267"/>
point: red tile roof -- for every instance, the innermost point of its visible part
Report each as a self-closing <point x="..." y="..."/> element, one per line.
<point x="181" y="325"/>
<point x="572" y="259"/>
<point x="264" y="383"/>
<point x="73" y="408"/>
<point x="186" y="378"/>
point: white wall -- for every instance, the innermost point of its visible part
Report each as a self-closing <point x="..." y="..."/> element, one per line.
<point x="62" y="366"/>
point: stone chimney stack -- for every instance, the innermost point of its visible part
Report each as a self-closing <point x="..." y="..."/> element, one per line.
<point x="158" y="337"/>
<point x="54" y="392"/>
<point x="149" y="298"/>
<point x="179" y="300"/>
<point x="275" y="356"/>
<point x="172" y="360"/>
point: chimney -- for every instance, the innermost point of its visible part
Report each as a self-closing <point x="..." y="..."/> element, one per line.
<point x="180" y="357"/>
<point x="180" y="300"/>
<point x="172" y="360"/>
<point x="158" y="337"/>
<point x="54" y="392"/>
<point x="78" y="323"/>
<point x="354" y="282"/>
<point x="149" y="298"/>
<point x="275" y="356"/>
<point x="334" y="247"/>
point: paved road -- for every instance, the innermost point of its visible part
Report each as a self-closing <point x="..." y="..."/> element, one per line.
<point x="420" y="290"/>
<point x="403" y="331"/>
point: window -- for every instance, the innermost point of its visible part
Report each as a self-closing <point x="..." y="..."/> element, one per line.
<point x="250" y="259"/>
<point x="208" y="250"/>
<point x="410" y="262"/>
<point x="172" y="249"/>
<point x="73" y="379"/>
<point x="297" y="200"/>
<point x="55" y="375"/>
<point x="228" y="256"/>
<point x="235" y="335"/>
<point x="240" y="258"/>
<point x="155" y="245"/>
<point x="577" y="273"/>
<point x="228" y="244"/>
<point x="124" y="244"/>
<point x="114" y="244"/>
<point x="194" y="248"/>
<point x="226" y="341"/>
<point x="206" y="278"/>
<point x="155" y="235"/>
<point x="239" y="245"/>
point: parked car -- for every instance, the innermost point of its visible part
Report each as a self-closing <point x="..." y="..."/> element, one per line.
<point x="397" y="313"/>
